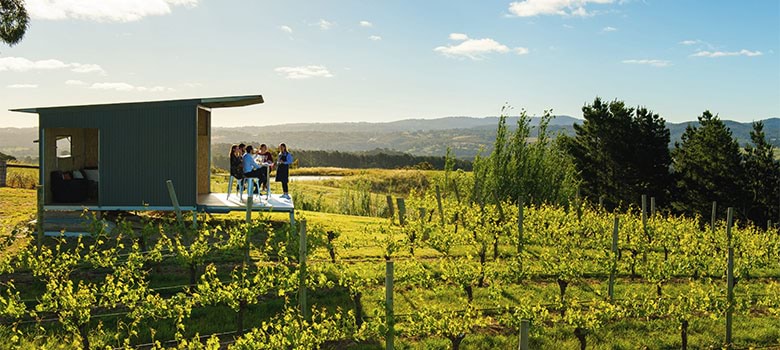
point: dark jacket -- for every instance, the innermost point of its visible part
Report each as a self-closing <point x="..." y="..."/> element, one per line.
<point x="236" y="168"/>
<point x="283" y="167"/>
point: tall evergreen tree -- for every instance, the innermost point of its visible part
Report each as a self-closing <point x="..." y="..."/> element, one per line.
<point x="621" y="153"/>
<point x="708" y="165"/>
<point x="14" y="21"/>
<point x="762" y="177"/>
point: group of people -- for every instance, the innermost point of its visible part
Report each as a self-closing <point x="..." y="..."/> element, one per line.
<point x="248" y="162"/>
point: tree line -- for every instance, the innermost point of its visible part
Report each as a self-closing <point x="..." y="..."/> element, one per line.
<point x="382" y="159"/>
<point x="620" y="153"/>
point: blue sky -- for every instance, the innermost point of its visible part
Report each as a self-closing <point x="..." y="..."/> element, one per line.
<point x="329" y="61"/>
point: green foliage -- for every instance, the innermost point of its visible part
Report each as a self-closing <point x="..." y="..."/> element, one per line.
<point x="762" y="173"/>
<point x="708" y="165"/>
<point x="14" y="21"/>
<point x="292" y="331"/>
<point x="539" y="172"/>
<point x="621" y="153"/>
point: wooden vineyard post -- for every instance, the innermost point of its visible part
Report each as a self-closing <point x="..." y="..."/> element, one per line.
<point x="520" y="218"/>
<point x="438" y="201"/>
<point x="174" y="199"/>
<point x="524" y="342"/>
<point x="456" y="190"/>
<point x="389" y="316"/>
<point x="401" y="211"/>
<point x="613" y="267"/>
<point x="39" y="221"/>
<point x="390" y="208"/>
<point x="714" y="214"/>
<point x="302" y="275"/>
<point x="249" y="199"/>
<point x="729" y="280"/>
<point x="422" y="213"/>
<point x="652" y="207"/>
<point x="644" y="211"/>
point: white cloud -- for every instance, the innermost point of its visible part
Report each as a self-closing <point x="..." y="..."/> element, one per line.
<point x="103" y="10"/>
<point x="304" y="72"/>
<point x="654" y="63"/>
<point x="742" y="52"/>
<point x="22" y="86"/>
<point x="475" y="49"/>
<point x="87" y="68"/>
<point x="458" y="36"/>
<point x="689" y="42"/>
<point x="609" y="29"/>
<point x="75" y="82"/>
<point x="21" y="64"/>
<point x="128" y="87"/>
<point x="366" y="24"/>
<point x="530" y="8"/>
<point x="324" y="24"/>
<point x="568" y="26"/>
<point x="286" y="29"/>
<point x="375" y="38"/>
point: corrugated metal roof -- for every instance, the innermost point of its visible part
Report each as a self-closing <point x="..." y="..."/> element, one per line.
<point x="209" y="102"/>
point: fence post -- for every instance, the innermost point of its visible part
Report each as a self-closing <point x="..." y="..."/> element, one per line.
<point x="3" y="172"/>
<point x="438" y="200"/>
<point x="174" y="199"/>
<point x="524" y="325"/>
<point x="652" y="207"/>
<point x="250" y="197"/>
<point x="401" y="211"/>
<point x="729" y="280"/>
<point x="644" y="213"/>
<point x="390" y="208"/>
<point x="302" y="274"/>
<point x="520" y="219"/>
<point x="39" y="221"/>
<point x="390" y="317"/>
<point x="714" y="214"/>
<point x="613" y="267"/>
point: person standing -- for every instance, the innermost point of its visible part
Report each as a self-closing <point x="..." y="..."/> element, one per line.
<point x="283" y="168"/>
<point x="266" y="160"/>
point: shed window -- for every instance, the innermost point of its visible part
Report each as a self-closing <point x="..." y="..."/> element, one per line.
<point x="64" y="146"/>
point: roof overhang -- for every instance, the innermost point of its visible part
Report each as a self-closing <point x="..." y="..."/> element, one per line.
<point x="208" y="102"/>
<point x="231" y="101"/>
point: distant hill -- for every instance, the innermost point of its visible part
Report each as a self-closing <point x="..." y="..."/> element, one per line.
<point x="428" y="137"/>
<point x="18" y="142"/>
<point x="423" y="137"/>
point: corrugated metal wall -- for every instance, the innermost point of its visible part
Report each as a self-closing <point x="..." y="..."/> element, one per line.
<point x="141" y="146"/>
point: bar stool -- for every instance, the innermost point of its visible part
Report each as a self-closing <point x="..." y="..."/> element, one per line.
<point x="255" y="184"/>
<point x="240" y="183"/>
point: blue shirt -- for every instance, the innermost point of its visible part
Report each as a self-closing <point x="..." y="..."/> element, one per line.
<point x="249" y="163"/>
<point x="285" y="158"/>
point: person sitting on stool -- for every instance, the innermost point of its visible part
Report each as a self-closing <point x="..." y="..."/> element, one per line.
<point x="251" y="168"/>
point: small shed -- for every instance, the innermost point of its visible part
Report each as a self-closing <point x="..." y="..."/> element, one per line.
<point x="127" y="151"/>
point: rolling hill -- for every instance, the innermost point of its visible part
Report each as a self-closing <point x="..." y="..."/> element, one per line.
<point x="426" y="137"/>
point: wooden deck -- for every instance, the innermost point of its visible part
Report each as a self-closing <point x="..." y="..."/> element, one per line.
<point x="220" y="203"/>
